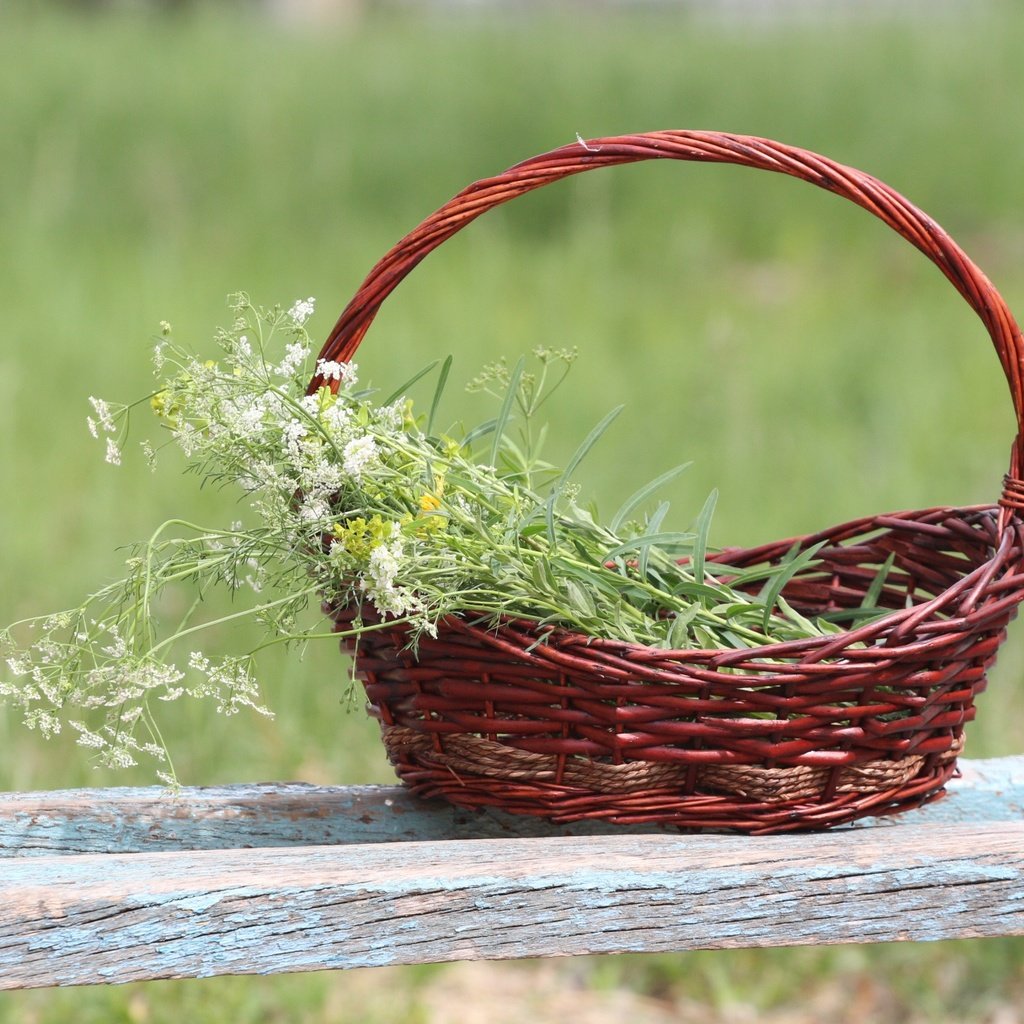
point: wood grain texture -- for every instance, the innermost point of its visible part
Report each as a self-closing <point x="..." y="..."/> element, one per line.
<point x="127" y="820"/>
<point x="279" y="878"/>
<point x="128" y="917"/>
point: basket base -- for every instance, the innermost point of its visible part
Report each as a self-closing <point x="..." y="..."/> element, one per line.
<point x="429" y="775"/>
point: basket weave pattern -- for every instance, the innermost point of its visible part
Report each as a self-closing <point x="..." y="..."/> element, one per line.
<point x="805" y="734"/>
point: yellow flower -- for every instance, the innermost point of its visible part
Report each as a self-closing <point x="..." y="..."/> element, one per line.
<point x="165" y="406"/>
<point x="430" y="502"/>
<point x="408" y="419"/>
<point x="358" y="537"/>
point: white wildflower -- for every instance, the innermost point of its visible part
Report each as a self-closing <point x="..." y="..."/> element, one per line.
<point x="18" y="666"/>
<point x="385" y="563"/>
<point x="329" y="369"/>
<point x="392" y="416"/>
<point x="117" y="757"/>
<point x="232" y="686"/>
<point x="294" y="356"/>
<point x="187" y="438"/>
<point x="113" y="455"/>
<point x="258" y="575"/>
<point x="379" y="580"/>
<point x="199" y="662"/>
<point x="103" y="413"/>
<point x="293" y="433"/>
<point x="92" y="426"/>
<point x="158" y="354"/>
<point x="316" y="510"/>
<point x="302" y="310"/>
<point x="336" y="417"/>
<point x="118" y="647"/>
<point x="323" y="477"/>
<point x="88" y="738"/>
<point x="45" y="721"/>
<point x="358" y="454"/>
<point x="310" y="404"/>
<point x="243" y="417"/>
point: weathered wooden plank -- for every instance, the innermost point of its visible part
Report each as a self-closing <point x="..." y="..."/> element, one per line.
<point x="271" y="815"/>
<point x="116" y="918"/>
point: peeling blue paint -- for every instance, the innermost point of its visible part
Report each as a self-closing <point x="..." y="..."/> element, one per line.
<point x="280" y="815"/>
<point x="79" y="918"/>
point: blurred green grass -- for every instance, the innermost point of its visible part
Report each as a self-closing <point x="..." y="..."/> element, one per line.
<point x="812" y="364"/>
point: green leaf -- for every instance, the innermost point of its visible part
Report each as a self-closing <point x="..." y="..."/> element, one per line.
<point x="795" y="617"/>
<point x="700" y="544"/>
<point x="658" y="539"/>
<point x="506" y="409"/>
<point x="479" y="431"/>
<point x="532" y="530"/>
<point x="875" y="590"/>
<point x="679" y="632"/>
<point x="787" y="570"/>
<point x="653" y="525"/>
<point x="580" y="599"/>
<point x="442" y="379"/>
<point x="398" y="392"/>
<point x="549" y="516"/>
<point x="640" y="496"/>
<point x="588" y="442"/>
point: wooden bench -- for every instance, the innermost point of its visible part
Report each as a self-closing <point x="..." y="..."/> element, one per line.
<point x="118" y="885"/>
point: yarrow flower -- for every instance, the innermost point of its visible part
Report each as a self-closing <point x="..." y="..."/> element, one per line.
<point x="302" y="310"/>
<point x="358" y="455"/>
<point x="329" y="369"/>
<point x="294" y="356"/>
<point x="103" y="413"/>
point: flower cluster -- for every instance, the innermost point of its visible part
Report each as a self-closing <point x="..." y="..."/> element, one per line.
<point x="363" y="504"/>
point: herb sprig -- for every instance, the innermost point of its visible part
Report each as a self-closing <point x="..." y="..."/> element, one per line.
<point x="366" y="503"/>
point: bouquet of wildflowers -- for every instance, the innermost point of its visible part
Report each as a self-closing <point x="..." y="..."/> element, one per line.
<point x="363" y="502"/>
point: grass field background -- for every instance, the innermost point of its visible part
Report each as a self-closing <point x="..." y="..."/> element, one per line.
<point x="813" y="366"/>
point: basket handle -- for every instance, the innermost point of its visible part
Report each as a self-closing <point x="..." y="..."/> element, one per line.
<point x="715" y="147"/>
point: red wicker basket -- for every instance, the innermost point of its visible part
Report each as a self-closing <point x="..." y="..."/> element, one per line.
<point x="805" y="734"/>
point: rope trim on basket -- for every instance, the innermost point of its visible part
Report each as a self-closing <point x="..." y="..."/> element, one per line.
<point x="477" y="756"/>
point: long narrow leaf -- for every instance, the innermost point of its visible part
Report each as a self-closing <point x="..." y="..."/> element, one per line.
<point x="442" y="379"/>
<point x="653" y="526"/>
<point x="549" y="516"/>
<point x="506" y="409"/>
<point x="640" y="496"/>
<point x="398" y="392"/>
<point x="786" y="572"/>
<point x="875" y="590"/>
<point x="588" y="442"/>
<point x="653" y="539"/>
<point x="679" y="632"/>
<point x="479" y="431"/>
<point x="700" y="544"/>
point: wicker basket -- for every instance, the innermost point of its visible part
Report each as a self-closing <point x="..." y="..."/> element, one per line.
<point x="806" y="734"/>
